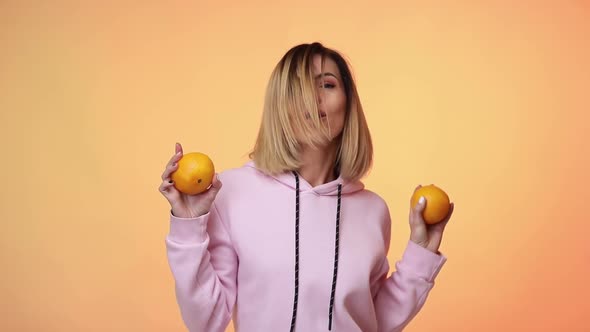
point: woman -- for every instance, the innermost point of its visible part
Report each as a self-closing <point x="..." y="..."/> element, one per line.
<point x="294" y="241"/>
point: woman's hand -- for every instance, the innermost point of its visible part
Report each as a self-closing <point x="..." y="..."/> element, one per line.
<point x="425" y="235"/>
<point x="183" y="205"/>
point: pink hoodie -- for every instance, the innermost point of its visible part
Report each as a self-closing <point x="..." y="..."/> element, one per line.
<point x="240" y="259"/>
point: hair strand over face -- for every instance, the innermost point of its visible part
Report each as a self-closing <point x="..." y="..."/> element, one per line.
<point x="291" y="95"/>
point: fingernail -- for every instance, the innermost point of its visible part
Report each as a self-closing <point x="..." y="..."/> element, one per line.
<point x="421" y="200"/>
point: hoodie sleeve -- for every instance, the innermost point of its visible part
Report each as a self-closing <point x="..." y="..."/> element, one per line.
<point x="399" y="297"/>
<point x="204" y="266"/>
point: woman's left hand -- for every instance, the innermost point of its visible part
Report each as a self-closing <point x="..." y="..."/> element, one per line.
<point x="423" y="234"/>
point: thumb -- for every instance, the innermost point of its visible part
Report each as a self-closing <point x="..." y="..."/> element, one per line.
<point x="215" y="186"/>
<point x="417" y="211"/>
<point x="209" y="195"/>
<point x="418" y="229"/>
<point x="420" y="205"/>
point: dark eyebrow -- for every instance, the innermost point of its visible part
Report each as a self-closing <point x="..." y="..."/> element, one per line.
<point x="326" y="74"/>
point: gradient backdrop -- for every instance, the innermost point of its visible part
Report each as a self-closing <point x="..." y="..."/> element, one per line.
<point x="488" y="100"/>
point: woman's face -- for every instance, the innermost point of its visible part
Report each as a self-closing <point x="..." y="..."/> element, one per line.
<point x="331" y="94"/>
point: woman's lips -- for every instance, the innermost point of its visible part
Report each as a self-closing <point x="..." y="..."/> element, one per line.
<point x="322" y="114"/>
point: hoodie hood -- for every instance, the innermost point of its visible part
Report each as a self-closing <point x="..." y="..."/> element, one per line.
<point x="326" y="189"/>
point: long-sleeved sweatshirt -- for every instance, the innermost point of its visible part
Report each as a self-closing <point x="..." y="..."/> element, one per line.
<point x="276" y="254"/>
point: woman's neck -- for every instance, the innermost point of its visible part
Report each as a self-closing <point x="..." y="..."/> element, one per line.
<point x="317" y="165"/>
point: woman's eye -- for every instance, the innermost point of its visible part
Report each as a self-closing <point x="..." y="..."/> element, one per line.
<point x="328" y="86"/>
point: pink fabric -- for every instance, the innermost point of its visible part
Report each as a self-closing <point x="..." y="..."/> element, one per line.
<point x="238" y="260"/>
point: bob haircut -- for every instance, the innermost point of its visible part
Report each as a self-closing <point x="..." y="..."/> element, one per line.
<point x="290" y="117"/>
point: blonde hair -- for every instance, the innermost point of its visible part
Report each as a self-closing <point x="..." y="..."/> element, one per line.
<point x="291" y="97"/>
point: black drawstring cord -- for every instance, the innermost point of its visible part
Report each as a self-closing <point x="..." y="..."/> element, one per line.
<point x="337" y="245"/>
<point x="295" y="301"/>
<point x="335" y="257"/>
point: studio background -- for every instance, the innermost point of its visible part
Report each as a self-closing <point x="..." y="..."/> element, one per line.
<point x="487" y="99"/>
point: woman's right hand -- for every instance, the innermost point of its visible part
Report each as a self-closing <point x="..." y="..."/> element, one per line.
<point x="183" y="205"/>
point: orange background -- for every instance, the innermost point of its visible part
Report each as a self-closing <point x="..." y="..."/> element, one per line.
<point x="487" y="99"/>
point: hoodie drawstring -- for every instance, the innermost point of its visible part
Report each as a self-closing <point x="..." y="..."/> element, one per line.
<point x="336" y="247"/>
<point x="295" y="301"/>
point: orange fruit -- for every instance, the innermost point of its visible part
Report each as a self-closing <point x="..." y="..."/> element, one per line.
<point x="437" y="203"/>
<point x="194" y="173"/>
